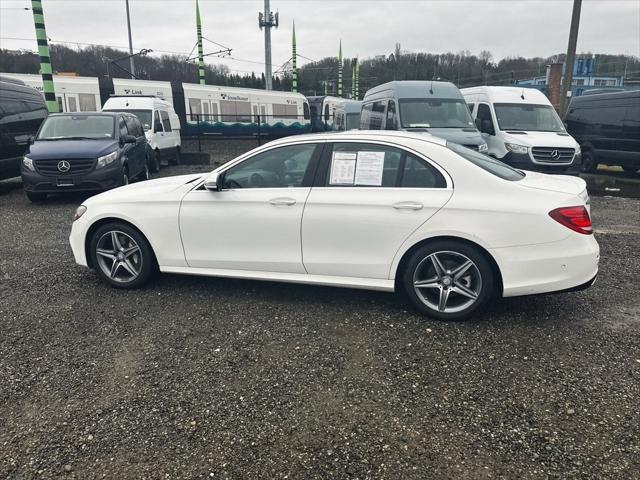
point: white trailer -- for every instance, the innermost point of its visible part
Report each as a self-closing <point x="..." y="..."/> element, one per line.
<point x="74" y="94"/>
<point x="127" y="86"/>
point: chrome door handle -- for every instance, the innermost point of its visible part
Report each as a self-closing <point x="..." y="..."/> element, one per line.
<point x="282" y="201"/>
<point x="407" y="206"/>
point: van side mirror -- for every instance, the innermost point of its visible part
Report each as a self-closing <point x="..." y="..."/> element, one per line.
<point x="211" y="183"/>
<point x="157" y="128"/>
<point x="487" y="127"/>
<point x="31" y="140"/>
<point x="127" y="139"/>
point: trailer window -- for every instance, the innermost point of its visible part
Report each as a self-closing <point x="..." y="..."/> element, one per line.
<point x="281" y="110"/>
<point x="195" y="109"/>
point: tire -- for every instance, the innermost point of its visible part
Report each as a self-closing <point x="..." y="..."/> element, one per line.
<point x="464" y="295"/>
<point x="36" y="197"/>
<point x="136" y="263"/>
<point x="177" y="160"/>
<point x="589" y="164"/>
<point x="153" y="161"/>
<point x="124" y="176"/>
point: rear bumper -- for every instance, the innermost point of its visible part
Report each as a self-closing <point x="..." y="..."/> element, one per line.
<point x="523" y="161"/>
<point x="569" y="264"/>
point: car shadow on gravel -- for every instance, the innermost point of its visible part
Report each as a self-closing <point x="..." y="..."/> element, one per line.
<point x="528" y="310"/>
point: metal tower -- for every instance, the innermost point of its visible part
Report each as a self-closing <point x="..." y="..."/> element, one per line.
<point x="267" y="20"/>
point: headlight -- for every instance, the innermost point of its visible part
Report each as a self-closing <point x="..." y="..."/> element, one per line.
<point x="578" y="150"/>
<point x="28" y="163"/>
<point x="483" y="147"/>
<point x="107" y="159"/>
<point x="79" y="212"/>
<point x="512" y="147"/>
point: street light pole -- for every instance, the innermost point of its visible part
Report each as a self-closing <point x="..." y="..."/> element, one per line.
<point x="567" y="80"/>
<point x="131" y="64"/>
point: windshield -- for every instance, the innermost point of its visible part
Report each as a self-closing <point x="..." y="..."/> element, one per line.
<point x="435" y="113"/>
<point x="490" y="164"/>
<point x="143" y="115"/>
<point x="531" y="118"/>
<point x="72" y="127"/>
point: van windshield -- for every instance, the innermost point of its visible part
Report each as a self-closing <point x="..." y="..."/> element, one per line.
<point x="143" y="115"/>
<point x="531" y="118"/>
<point x="77" y="127"/>
<point x="435" y="113"/>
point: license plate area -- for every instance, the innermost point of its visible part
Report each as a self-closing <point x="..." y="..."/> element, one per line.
<point x="65" y="182"/>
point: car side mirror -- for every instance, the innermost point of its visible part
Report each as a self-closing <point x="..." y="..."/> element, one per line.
<point x="31" y="140"/>
<point x="157" y="128"/>
<point x="128" y="139"/>
<point x="211" y="183"/>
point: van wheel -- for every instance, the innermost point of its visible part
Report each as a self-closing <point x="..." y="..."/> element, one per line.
<point x="448" y="280"/>
<point x="153" y="161"/>
<point x="177" y="160"/>
<point x="36" y="197"/>
<point x="589" y="164"/>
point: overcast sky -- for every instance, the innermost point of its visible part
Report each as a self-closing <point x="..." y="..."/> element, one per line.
<point x="367" y="27"/>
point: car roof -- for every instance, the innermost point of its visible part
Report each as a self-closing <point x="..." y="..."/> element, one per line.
<point x="361" y="135"/>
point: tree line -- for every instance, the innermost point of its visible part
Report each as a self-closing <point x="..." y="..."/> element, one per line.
<point x="314" y="78"/>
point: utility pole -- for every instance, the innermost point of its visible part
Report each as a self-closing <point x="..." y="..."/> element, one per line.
<point x="201" y="73"/>
<point x="45" y="61"/>
<point x="131" y="64"/>
<point x="267" y="20"/>
<point x="567" y="80"/>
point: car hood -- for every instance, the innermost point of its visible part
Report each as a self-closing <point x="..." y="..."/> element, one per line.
<point x="150" y="190"/>
<point x="70" y="149"/>
<point x="540" y="139"/>
<point x="554" y="183"/>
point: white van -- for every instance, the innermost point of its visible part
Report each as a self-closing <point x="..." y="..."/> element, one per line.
<point x="522" y="129"/>
<point x="160" y="122"/>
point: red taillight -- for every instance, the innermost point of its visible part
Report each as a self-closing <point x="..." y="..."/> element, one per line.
<point x="575" y="218"/>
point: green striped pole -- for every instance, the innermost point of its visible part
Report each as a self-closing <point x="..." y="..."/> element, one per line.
<point x="200" y="51"/>
<point x="357" y="96"/>
<point x="340" y="70"/>
<point x="353" y="78"/>
<point x="294" y="62"/>
<point x="45" y="59"/>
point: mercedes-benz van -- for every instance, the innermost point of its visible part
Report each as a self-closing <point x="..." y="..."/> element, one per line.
<point x="437" y="108"/>
<point x="521" y="128"/>
<point x="160" y="122"/>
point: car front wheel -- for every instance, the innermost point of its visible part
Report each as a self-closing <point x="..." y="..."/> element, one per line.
<point x="589" y="164"/>
<point x="448" y="280"/>
<point x="122" y="256"/>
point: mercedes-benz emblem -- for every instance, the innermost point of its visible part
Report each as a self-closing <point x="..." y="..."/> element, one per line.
<point x="555" y="154"/>
<point x="64" y="166"/>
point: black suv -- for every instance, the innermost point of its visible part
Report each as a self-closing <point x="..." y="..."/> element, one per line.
<point x="84" y="151"/>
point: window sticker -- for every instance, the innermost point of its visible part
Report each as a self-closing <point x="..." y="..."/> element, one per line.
<point x="369" y="168"/>
<point x="343" y="168"/>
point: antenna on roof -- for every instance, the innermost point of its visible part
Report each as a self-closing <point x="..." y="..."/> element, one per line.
<point x="522" y="94"/>
<point x="431" y="87"/>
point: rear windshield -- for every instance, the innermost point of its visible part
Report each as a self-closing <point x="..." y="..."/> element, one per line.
<point x="490" y="164"/>
<point x="77" y="127"/>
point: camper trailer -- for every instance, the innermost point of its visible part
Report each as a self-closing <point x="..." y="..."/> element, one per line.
<point x="74" y="94"/>
<point x="212" y="110"/>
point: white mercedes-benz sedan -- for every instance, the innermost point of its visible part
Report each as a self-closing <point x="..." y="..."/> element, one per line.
<point x="390" y="211"/>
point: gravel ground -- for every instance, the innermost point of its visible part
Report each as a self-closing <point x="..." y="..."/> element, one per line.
<point x="214" y="378"/>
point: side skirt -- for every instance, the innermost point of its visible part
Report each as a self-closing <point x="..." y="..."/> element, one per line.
<point x="345" y="282"/>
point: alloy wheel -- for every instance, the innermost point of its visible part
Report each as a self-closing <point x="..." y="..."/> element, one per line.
<point x="447" y="281"/>
<point x="119" y="256"/>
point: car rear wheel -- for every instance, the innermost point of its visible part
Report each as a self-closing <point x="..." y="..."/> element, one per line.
<point x="36" y="197"/>
<point x="153" y="161"/>
<point x="448" y="280"/>
<point x="589" y="164"/>
<point x="122" y="256"/>
<point x="177" y="160"/>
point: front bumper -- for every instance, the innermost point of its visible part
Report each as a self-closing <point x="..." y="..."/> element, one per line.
<point x="522" y="161"/>
<point x="549" y="267"/>
<point x="77" y="241"/>
<point x="95" y="180"/>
